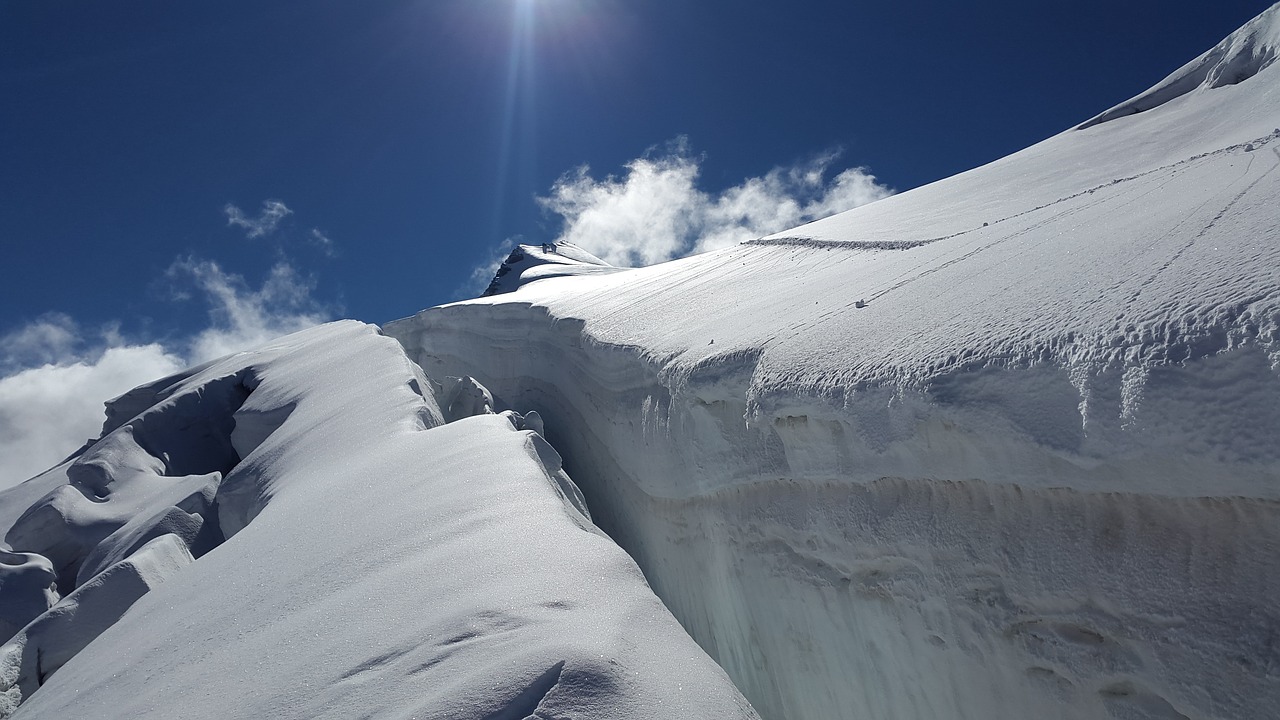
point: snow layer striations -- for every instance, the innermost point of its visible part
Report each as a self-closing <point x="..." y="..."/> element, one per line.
<point x="295" y="532"/>
<point x="1003" y="446"/>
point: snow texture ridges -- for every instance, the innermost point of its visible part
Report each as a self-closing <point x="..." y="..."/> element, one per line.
<point x="49" y="641"/>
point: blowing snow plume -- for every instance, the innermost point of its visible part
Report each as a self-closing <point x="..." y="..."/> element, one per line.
<point x="655" y="212"/>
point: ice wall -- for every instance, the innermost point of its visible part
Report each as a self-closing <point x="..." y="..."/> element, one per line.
<point x="908" y="555"/>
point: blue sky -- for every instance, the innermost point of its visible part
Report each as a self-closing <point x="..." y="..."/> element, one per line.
<point x="144" y="144"/>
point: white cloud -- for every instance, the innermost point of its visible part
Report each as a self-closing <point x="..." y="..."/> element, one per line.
<point x="655" y="211"/>
<point x="49" y="339"/>
<point x="57" y="375"/>
<point x="273" y="211"/>
<point x="49" y="410"/>
<point x="242" y="317"/>
<point x="641" y="219"/>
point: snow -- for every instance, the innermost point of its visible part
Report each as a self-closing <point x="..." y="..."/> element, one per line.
<point x="1239" y="57"/>
<point x="49" y="641"/>
<point x="370" y="560"/>
<point x="527" y="263"/>
<point x="27" y="583"/>
<point x="1001" y="446"/>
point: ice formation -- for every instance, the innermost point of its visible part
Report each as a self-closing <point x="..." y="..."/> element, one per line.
<point x="1003" y="446"/>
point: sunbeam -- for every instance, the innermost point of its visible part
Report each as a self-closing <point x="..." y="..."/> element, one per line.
<point x="518" y="108"/>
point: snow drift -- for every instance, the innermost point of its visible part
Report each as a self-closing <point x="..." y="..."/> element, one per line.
<point x="357" y="557"/>
<point x="1001" y="446"/>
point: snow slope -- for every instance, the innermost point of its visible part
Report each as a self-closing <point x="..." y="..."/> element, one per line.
<point x="355" y="557"/>
<point x="999" y="447"/>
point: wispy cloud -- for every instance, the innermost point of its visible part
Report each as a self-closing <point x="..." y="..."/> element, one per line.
<point x="656" y="212"/>
<point x="482" y="274"/>
<point x="322" y="240"/>
<point x="55" y="374"/>
<point x="273" y="211"/>
<point x="241" y="316"/>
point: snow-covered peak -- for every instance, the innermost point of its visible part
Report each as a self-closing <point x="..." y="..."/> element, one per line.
<point x="1242" y="55"/>
<point x="527" y="263"/>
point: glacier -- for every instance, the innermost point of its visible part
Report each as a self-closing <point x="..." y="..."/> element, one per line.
<point x="1001" y="446"/>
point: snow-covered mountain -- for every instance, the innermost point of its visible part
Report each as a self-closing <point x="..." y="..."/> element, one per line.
<point x="1003" y="446"/>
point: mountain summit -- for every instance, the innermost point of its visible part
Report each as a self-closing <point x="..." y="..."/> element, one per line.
<point x="527" y="263"/>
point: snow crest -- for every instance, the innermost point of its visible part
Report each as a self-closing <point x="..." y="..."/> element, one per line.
<point x="369" y="559"/>
<point x="1239" y="57"/>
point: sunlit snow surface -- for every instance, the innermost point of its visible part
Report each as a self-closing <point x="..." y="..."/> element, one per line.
<point x="376" y="562"/>
<point x="1004" y="446"/>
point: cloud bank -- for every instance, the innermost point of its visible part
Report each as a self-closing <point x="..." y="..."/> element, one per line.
<point x="55" y="375"/>
<point x="655" y="211"/>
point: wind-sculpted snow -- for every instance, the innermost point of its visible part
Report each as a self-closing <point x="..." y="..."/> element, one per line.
<point x="28" y="585"/>
<point x="49" y="641"/>
<point x="370" y="560"/>
<point x="527" y="263"/>
<point x="947" y="547"/>
<point x="105" y="501"/>
<point x="1239" y="57"/>
<point x="998" y="447"/>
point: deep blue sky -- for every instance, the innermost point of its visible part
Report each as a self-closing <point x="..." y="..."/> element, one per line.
<point x="416" y="133"/>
